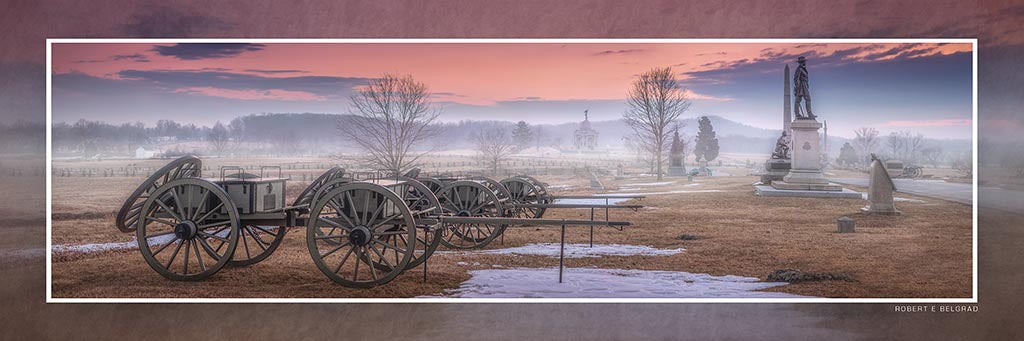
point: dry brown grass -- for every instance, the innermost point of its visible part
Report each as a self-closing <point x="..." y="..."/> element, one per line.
<point x="926" y="252"/>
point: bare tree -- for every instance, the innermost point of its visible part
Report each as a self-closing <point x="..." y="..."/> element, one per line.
<point x="494" y="146"/>
<point x="866" y="141"/>
<point x="897" y="143"/>
<point x="655" y="101"/>
<point x="391" y="119"/>
<point x="932" y="155"/>
<point x="963" y="164"/>
<point x="218" y="138"/>
<point x="915" y="142"/>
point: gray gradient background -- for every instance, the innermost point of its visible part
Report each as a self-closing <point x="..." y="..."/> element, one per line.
<point x="25" y="25"/>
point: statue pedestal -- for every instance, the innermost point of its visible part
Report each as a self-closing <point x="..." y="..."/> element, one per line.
<point x="805" y="172"/>
<point x="775" y="170"/>
<point x="676" y="171"/>
<point x="805" y="178"/>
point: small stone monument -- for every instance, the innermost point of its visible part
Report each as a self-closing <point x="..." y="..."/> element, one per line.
<point x="595" y="183"/>
<point x="675" y="157"/>
<point x="620" y="172"/>
<point x="880" y="188"/>
<point x="845" y="224"/>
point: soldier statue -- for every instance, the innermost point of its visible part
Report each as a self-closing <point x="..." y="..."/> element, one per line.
<point x="801" y="90"/>
<point x="782" y="147"/>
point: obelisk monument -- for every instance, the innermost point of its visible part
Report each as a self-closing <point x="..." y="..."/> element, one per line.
<point x="787" y="108"/>
<point x="779" y="163"/>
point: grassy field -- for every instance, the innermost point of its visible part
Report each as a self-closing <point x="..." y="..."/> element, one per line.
<point x="926" y="252"/>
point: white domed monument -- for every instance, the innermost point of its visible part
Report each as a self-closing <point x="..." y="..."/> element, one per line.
<point x="585" y="138"/>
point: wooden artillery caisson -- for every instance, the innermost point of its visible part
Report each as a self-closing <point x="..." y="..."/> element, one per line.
<point x="359" y="233"/>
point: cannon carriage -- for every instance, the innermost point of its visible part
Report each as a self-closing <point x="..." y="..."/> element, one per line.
<point x="359" y="233"/>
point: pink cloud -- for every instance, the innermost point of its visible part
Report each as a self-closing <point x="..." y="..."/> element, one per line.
<point x="696" y="96"/>
<point x="928" y="123"/>
<point x="272" y="94"/>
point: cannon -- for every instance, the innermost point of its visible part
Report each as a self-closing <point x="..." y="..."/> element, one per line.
<point x="359" y="233"/>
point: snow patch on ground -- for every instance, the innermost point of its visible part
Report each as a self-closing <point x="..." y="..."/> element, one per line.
<point x="609" y="201"/>
<point x="665" y="192"/>
<point x="584" y="250"/>
<point x="901" y="199"/>
<point x="129" y="245"/>
<point x="100" y="247"/>
<point x="665" y="183"/>
<point x="559" y="187"/>
<point x="609" y="283"/>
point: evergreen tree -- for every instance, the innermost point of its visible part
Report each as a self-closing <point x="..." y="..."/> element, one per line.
<point x="847" y="155"/>
<point x="522" y="135"/>
<point x="706" y="146"/>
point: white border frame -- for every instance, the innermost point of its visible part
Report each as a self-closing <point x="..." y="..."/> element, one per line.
<point x="49" y="174"/>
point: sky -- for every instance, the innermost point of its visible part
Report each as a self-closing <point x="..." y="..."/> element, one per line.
<point x="923" y="88"/>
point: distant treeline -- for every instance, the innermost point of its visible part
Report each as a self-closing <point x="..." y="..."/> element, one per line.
<point x="317" y="134"/>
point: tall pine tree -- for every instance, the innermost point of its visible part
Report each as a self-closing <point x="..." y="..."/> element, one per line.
<point x="707" y="144"/>
<point x="522" y="135"/>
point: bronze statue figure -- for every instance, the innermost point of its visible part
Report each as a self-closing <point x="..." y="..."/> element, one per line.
<point x="782" y="147"/>
<point x="801" y="90"/>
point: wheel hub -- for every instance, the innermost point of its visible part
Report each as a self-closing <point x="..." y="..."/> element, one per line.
<point x="186" y="230"/>
<point x="360" y="236"/>
<point x="463" y="213"/>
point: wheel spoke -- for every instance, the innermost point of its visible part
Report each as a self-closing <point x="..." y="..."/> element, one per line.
<point x="344" y="259"/>
<point x="209" y="249"/>
<point x="385" y="221"/>
<point x="259" y="242"/>
<point x="168" y="210"/>
<point x="267" y="231"/>
<point x="188" y="246"/>
<point x="177" y="203"/>
<point x="324" y="255"/>
<point x="352" y="207"/>
<point x="211" y="212"/>
<point x="202" y="266"/>
<point x="386" y="245"/>
<point x="366" y="208"/>
<point x="174" y="255"/>
<point x="202" y="233"/>
<point x="333" y="223"/>
<point x="359" y="256"/>
<point x="201" y="201"/>
<point x="330" y="236"/>
<point x="165" y="246"/>
<point x="369" y="264"/>
<point x="161" y="221"/>
<point x="381" y="256"/>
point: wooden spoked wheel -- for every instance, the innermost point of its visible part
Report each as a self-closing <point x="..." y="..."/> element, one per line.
<point x="541" y="194"/>
<point x="257" y="243"/>
<point x="422" y="203"/>
<point x="184" y="167"/>
<point x="433" y="183"/>
<point x="189" y="230"/>
<point x="523" y="191"/>
<point x="348" y="231"/>
<point x="469" y="199"/>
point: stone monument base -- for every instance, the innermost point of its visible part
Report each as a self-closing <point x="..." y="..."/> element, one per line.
<point x="775" y="170"/>
<point x="800" y="186"/>
<point x="769" y="191"/>
<point x="870" y="210"/>
<point x="676" y="171"/>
